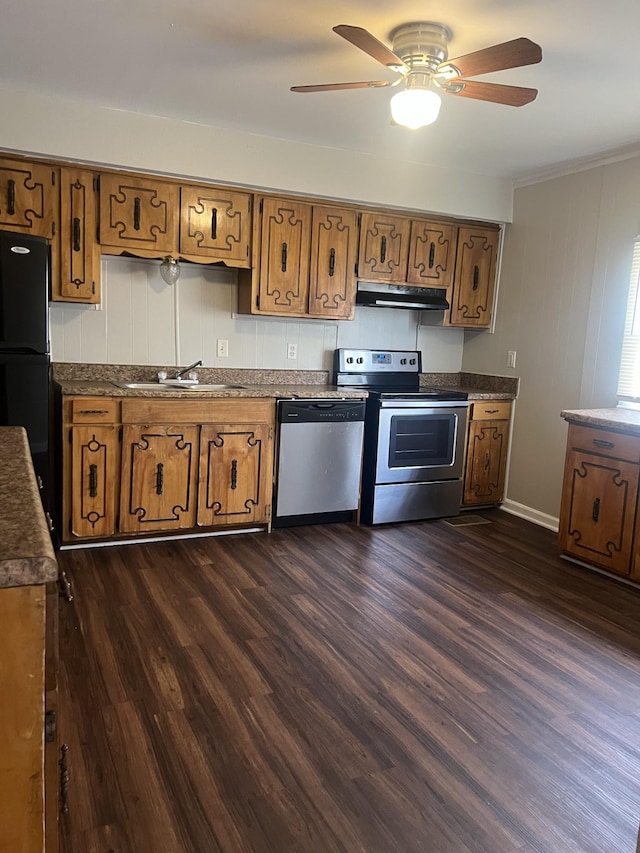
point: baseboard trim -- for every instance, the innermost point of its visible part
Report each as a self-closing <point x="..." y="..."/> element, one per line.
<point x="539" y="518"/>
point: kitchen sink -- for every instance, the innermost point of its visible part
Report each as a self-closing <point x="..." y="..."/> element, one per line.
<point x="157" y="386"/>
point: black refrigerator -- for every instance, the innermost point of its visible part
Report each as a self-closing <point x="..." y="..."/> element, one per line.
<point x="24" y="347"/>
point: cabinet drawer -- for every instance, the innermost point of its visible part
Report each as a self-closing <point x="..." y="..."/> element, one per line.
<point x="605" y="443"/>
<point x="94" y="410"/>
<point x="491" y="410"/>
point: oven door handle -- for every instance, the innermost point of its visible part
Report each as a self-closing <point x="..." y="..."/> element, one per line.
<point x="424" y="405"/>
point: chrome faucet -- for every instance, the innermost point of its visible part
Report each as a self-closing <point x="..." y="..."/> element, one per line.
<point x="181" y="373"/>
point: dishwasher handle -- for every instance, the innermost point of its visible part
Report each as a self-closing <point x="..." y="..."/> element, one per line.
<point x="320" y="411"/>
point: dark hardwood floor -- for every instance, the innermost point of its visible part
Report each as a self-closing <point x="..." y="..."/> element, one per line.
<point x="415" y="687"/>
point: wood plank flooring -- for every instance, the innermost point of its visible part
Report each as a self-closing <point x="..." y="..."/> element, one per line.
<point x="414" y="687"/>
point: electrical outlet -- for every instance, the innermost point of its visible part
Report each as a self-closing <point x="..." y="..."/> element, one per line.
<point x="292" y="350"/>
<point x="511" y="358"/>
<point x="223" y="348"/>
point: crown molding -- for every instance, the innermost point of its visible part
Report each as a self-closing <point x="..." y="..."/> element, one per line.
<point x="569" y="167"/>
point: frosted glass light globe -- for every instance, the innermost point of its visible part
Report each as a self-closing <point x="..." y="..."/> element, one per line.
<point x="415" y="108"/>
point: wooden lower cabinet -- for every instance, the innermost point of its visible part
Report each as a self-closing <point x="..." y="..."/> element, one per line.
<point x="95" y="452"/>
<point x="600" y="499"/>
<point x="29" y="769"/>
<point x="159" y="477"/>
<point x="165" y="465"/>
<point x="235" y="479"/>
<point x="487" y="448"/>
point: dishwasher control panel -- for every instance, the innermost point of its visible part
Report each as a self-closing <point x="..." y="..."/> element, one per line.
<point x="319" y="411"/>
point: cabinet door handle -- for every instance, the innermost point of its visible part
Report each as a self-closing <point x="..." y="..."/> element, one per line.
<point x="136" y="214"/>
<point x="214" y="223"/>
<point x="93" y="481"/>
<point x="476" y="277"/>
<point x="76" y="234"/>
<point x="159" y="478"/>
<point x="486" y="460"/>
<point x="595" y="512"/>
<point x="11" y="197"/>
<point x="234" y="473"/>
<point x="64" y="586"/>
<point x="332" y="262"/>
<point x="284" y="258"/>
<point x="432" y="255"/>
<point x="64" y="779"/>
<point x="599" y="442"/>
<point x="383" y="249"/>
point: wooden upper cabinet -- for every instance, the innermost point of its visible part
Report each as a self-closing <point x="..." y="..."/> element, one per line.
<point x="28" y="197"/>
<point x="138" y="215"/>
<point x="476" y="263"/>
<point x="283" y="283"/>
<point x="215" y="226"/>
<point x="334" y="248"/>
<point x="432" y="253"/>
<point x="384" y="248"/>
<point x="79" y="275"/>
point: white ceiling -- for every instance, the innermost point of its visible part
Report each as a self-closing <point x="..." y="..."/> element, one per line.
<point x="230" y="63"/>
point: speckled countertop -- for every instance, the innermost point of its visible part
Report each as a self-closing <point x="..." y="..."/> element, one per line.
<point x="26" y="553"/>
<point x="620" y="419"/>
<point x="100" y="379"/>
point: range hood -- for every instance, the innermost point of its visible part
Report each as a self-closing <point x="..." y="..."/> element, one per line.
<point x="399" y="296"/>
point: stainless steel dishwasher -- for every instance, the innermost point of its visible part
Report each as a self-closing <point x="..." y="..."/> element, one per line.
<point x="318" y="461"/>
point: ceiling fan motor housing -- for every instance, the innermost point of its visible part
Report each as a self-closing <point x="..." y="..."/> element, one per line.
<point x="421" y="45"/>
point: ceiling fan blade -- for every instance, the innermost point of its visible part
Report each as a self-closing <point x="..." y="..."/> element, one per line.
<point x="330" y="87"/>
<point x="509" y="54"/>
<point x="511" y="96"/>
<point x="363" y="39"/>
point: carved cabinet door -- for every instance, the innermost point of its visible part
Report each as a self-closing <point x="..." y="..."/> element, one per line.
<point x="284" y="256"/>
<point x="384" y="248"/>
<point x="215" y="225"/>
<point x="598" y="510"/>
<point x="235" y="479"/>
<point x="159" y="477"/>
<point x="28" y="197"/>
<point x="79" y="248"/>
<point x="432" y="253"/>
<point x="139" y="216"/>
<point x="332" y="274"/>
<point x="476" y="262"/>
<point x="486" y="462"/>
<point x="94" y="476"/>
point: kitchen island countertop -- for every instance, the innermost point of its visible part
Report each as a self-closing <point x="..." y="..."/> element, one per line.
<point x="26" y="552"/>
<point x="620" y="419"/>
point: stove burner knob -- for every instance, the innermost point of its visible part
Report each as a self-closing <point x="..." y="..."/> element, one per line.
<point x="360" y="360"/>
<point x="350" y="360"/>
<point x="403" y="361"/>
<point x="412" y="361"/>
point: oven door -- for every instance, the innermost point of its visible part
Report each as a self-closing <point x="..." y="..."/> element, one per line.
<point x="420" y="441"/>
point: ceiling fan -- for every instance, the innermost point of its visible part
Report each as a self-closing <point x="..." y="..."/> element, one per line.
<point x="419" y="55"/>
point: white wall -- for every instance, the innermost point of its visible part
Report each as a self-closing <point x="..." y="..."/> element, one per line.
<point x="562" y="303"/>
<point x="77" y="131"/>
<point x="143" y="321"/>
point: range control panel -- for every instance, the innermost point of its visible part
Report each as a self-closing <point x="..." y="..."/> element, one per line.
<point x="376" y="361"/>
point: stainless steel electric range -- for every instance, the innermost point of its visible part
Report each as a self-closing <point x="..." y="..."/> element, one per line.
<point x="414" y="437"/>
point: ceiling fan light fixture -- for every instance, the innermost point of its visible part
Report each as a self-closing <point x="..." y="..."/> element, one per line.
<point x="415" y="108"/>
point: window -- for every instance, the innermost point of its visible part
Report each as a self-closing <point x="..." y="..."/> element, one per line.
<point x="629" y="381"/>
